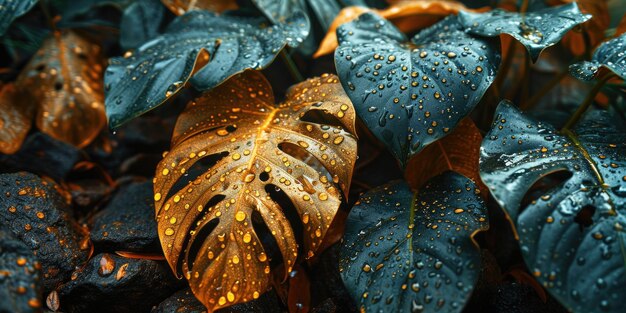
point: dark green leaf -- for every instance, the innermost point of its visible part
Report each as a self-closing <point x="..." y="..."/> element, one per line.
<point x="572" y="234"/>
<point x="610" y="54"/>
<point x="72" y="10"/>
<point x="12" y="9"/>
<point x="140" y="23"/>
<point x="409" y="94"/>
<point x="406" y="252"/>
<point x="145" y="78"/>
<point x="535" y="30"/>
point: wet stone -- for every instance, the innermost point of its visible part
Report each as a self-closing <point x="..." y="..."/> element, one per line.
<point x="110" y="283"/>
<point x="43" y="155"/>
<point x="20" y="275"/>
<point x="183" y="301"/>
<point x="38" y="215"/>
<point x="126" y="223"/>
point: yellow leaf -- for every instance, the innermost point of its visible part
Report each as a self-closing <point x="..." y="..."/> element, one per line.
<point x="180" y="7"/>
<point x="248" y="137"/>
<point x="65" y="79"/>
<point x="15" y="120"/>
<point x="406" y="15"/>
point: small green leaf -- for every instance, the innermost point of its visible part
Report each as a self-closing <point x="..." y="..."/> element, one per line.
<point x="145" y="78"/>
<point x="535" y="30"/>
<point x="610" y="55"/>
<point x="12" y="9"/>
<point x="572" y="235"/>
<point x="410" y="94"/>
<point x="140" y="23"/>
<point x="406" y="252"/>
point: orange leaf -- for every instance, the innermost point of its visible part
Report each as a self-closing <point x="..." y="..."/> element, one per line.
<point x="406" y="15"/>
<point x="180" y="7"/>
<point x="65" y="79"/>
<point x="15" y="120"/>
<point x="459" y="152"/>
<point x="621" y="27"/>
<point x="205" y="221"/>
<point x="299" y="298"/>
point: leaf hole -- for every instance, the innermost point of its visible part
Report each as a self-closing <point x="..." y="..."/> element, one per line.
<point x="306" y="157"/>
<point x="267" y="240"/>
<point x="543" y="186"/>
<point x="199" y="168"/>
<point x="289" y="210"/>
<point x="264" y="176"/>
<point x="40" y="67"/>
<point x="191" y="244"/>
<point x="58" y="86"/>
<point x="321" y="117"/>
<point x="584" y="217"/>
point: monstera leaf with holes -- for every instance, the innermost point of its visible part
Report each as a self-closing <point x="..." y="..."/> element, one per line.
<point x="409" y="94"/>
<point x="65" y="79"/>
<point x="199" y="46"/>
<point x="12" y="9"/>
<point x="571" y="236"/>
<point x="536" y="30"/>
<point x="239" y="122"/>
<point x="414" y="252"/>
<point x="610" y="55"/>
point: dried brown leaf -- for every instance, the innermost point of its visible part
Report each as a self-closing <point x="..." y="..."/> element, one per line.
<point x="239" y="122"/>
<point x="15" y="120"/>
<point x="65" y="79"/>
<point x="180" y="7"/>
<point x="459" y="152"/>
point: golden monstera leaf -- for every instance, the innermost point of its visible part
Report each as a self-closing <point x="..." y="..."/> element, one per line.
<point x="180" y="7"/>
<point x="256" y="148"/>
<point x="65" y="79"/>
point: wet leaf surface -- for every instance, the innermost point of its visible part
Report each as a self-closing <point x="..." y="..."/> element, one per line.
<point x="15" y="120"/>
<point x="594" y="29"/>
<point x="37" y="215"/>
<point x="20" y="275"/>
<point x="457" y="152"/>
<point x="65" y="78"/>
<point x="42" y="155"/>
<point x="536" y="30"/>
<point x="406" y="252"/>
<point x="122" y="224"/>
<point x="238" y="126"/>
<point x="410" y="94"/>
<point x="143" y="79"/>
<point x="140" y="22"/>
<point x="610" y="55"/>
<point x="110" y="283"/>
<point x="12" y="9"/>
<point x="575" y="224"/>
<point x="180" y="7"/>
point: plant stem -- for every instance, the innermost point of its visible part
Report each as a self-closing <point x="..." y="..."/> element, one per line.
<point x="506" y="65"/>
<point x="546" y="88"/>
<point x="587" y="102"/>
<point x="44" y="8"/>
<point x="291" y="66"/>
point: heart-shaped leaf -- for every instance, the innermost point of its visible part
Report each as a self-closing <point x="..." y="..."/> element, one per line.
<point x="572" y="234"/>
<point x="65" y="79"/>
<point x="143" y="79"/>
<point x="12" y="9"/>
<point x="409" y="94"/>
<point x="15" y="120"/>
<point x="180" y="7"/>
<point x="408" y="16"/>
<point x="407" y="252"/>
<point x="253" y="141"/>
<point x="535" y="30"/>
<point x="610" y="55"/>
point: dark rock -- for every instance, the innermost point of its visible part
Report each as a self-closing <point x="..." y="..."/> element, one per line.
<point x="37" y="214"/>
<point x="127" y="222"/>
<point x="327" y="306"/>
<point x="326" y="282"/>
<point x="20" y="272"/>
<point x="184" y="301"/>
<point x="110" y="283"/>
<point x="43" y="155"/>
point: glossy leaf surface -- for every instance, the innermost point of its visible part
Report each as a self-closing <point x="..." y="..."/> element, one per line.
<point x="140" y="23"/>
<point x="65" y="79"/>
<point x="141" y="80"/>
<point x="571" y="236"/>
<point x="610" y="55"/>
<point x="406" y="252"/>
<point x="535" y="30"/>
<point x="238" y="124"/>
<point x="15" y="120"/>
<point x="410" y="94"/>
<point x="12" y="9"/>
